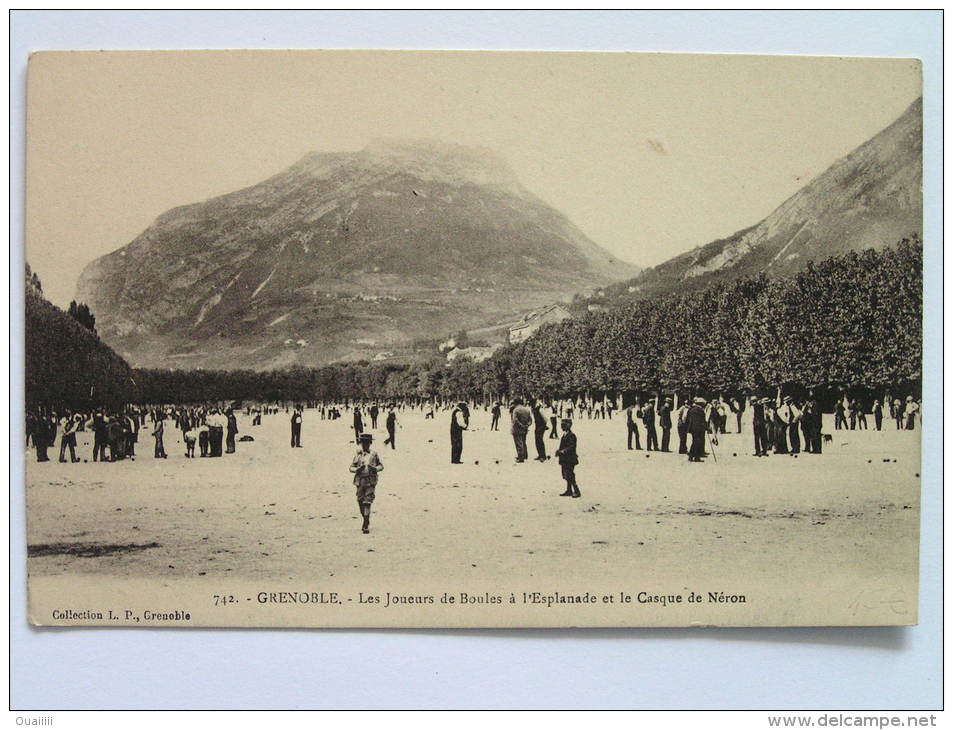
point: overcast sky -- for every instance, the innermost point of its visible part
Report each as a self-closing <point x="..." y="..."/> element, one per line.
<point x="649" y="154"/>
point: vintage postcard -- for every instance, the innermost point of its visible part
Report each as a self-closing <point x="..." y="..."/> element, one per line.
<point x="472" y="339"/>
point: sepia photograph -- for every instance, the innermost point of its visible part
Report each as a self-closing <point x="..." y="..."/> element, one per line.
<point x="473" y="339"/>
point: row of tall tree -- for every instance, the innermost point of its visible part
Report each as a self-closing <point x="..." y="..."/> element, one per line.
<point x="851" y="322"/>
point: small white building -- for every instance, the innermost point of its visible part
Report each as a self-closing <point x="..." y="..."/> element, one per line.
<point x="532" y="321"/>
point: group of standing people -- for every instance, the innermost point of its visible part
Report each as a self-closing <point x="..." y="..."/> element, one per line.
<point x="779" y="428"/>
<point x="650" y="415"/>
<point x="850" y="414"/>
<point x="208" y="429"/>
<point x="116" y="434"/>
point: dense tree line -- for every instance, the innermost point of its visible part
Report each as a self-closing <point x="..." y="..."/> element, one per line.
<point x="849" y="323"/>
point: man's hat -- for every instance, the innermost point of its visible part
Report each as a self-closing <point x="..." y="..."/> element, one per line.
<point x="366" y="437"/>
<point x="787" y="399"/>
<point x="566" y="421"/>
<point x="700" y="401"/>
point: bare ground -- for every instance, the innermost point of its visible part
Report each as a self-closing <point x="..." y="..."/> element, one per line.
<point x="780" y="526"/>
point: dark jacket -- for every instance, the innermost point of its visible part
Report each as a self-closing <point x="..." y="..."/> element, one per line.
<point x="567" y="449"/>
<point x="648" y="415"/>
<point x="539" y="419"/>
<point x="454" y="427"/>
<point x="757" y="414"/>
<point x="695" y="420"/>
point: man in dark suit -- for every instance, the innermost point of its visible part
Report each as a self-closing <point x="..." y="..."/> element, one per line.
<point x="391" y="424"/>
<point x="231" y="430"/>
<point x="459" y="422"/>
<point x="631" y="413"/>
<point x="296" y="429"/>
<point x="648" y="418"/>
<point x="839" y="420"/>
<point x="374" y="411"/>
<point x="811" y="425"/>
<point x="495" y="423"/>
<point x="878" y="410"/>
<point x="42" y="438"/>
<point x="696" y="425"/>
<point x="539" y="431"/>
<point x="99" y="437"/>
<point x="780" y="429"/>
<point x="566" y="454"/>
<point x="358" y="425"/>
<point x="665" y="421"/>
<point x="157" y="433"/>
<point x="522" y="419"/>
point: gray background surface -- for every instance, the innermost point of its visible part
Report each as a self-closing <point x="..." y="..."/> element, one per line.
<point x="842" y="668"/>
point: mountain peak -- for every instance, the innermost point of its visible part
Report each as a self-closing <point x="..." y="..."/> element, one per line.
<point x="448" y="162"/>
<point x="870" y="198"/>
<point x="351" y="252"/>
<point x="429" y="160"/>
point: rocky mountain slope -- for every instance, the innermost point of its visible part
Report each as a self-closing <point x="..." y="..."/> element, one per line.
<point x="341" y="256"/>
<point x="869" y="199"/>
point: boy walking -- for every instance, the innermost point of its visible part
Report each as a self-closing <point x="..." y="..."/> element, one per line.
<point x="365" y="467"/>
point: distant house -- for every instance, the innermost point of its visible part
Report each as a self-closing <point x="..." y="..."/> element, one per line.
<point x="597" y="308"/>
<point x="476" y="354"/>
<point x="536" y="319"/>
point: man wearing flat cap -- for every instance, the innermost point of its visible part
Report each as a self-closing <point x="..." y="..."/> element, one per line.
<point x="365" y="466"/>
